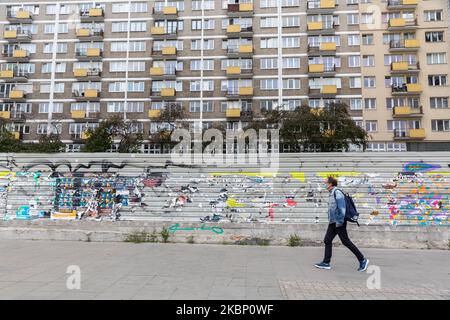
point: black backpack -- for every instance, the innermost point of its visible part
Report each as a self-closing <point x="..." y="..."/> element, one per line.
<point x="351" y="214"/>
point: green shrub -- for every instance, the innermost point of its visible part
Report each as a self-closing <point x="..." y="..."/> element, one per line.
<point x="294" y="241"/>
<point x="137" y="237"/>
<point x="165" y="234"/>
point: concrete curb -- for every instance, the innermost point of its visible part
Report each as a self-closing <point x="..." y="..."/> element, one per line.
<point x="378" y="236"/>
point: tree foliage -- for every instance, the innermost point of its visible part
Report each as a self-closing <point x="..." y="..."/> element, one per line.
<point x="101" y="139"/>
<point x="328" y="129"/>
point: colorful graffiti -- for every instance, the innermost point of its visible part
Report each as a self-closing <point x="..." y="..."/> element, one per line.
<point x="417" y="193"/>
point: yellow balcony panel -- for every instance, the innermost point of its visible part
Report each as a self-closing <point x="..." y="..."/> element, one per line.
<point x="10" y="34"/>
<point x="316" y="68"/>
<point x="5" y="114"/>
<point x="80" y="72"/>
<point x="397" y="22"/>
<point x="156" y="71"/>
<point x="402" y="111"/>
<point x="327" y="4"/>
<point x="83" y="32"/>
<point x="23" y="14"/>
<point x="19" y="53"/>
<point x="16" y="94"/>
<point x="410" y="2"/>
<point x="91" y="93"/>
<point x="168" y="92"/>
<point x="400" y="66"/>
<point x="167" y="51"/>
<point x="96" y="12"/>
<point x="6" y="74"/>
<point x="16" y="135"/>
<point x="158" y="31"/>
<point x="78" y="114"/>
<point x="233" y="70"/>
<point x="152" y="114"/>
<point x="315" y="25"/>
<point x="246" y="48"/>
<point x="245" y="7"/>
<point x="234" y="28"/>
<point x="328" y="46"/>
<point x="93" y="52"/>
<point x="413" y="87"/>
<point x="329" y="89"/>
<point x="170" y="10"/>
<point x="246" y="91"/>
<point x="233" y="113"/>
<point x="412" y="43"/>
<point x="417" y="133"/>
<point x="85" y="135"/>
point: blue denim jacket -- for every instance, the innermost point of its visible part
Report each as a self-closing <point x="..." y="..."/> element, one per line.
<point x="336" y="207"/>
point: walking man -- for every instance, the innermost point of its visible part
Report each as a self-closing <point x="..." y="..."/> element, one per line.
<point x="338" y="226"/>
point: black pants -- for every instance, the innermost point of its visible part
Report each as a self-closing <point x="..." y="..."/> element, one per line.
<point x="332" y="231"/>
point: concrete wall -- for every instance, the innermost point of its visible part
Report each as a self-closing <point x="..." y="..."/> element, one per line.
<point x="389" y="188"/>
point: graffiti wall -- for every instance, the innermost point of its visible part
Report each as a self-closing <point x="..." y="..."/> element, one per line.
<point x="396" y="188"/>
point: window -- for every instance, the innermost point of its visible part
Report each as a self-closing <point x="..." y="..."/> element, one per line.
<point x="367" y="39"/>
<point x="437" y="80"/>
<point x="367" y="18"/>
<point x="369" y="82"/>
<point x="354" y="61"/>
<point x="60" y="48"/>
<point x="352" y="18"/>
<point x="433" y="15"/>
<point x="122" y="46"/>
<point x="371" y="125"/>
<point x="291" y="84"/>
<point x="439" y="102"/>
<point x="440" y="125"/>
<point x="269" y="84"/>
<point x="436" y="58"/>
<point x="435" y="36"/>
<point x="370" y="103"/>
<point x="353" y="40"/>
<point x="355" y="82"/>
<point x="57" y="88"/>
<point x="194" y="106"/>
<point x="369" y="61"/>
<point x="45" y="107"/>
<point x="355" y="104"/>
<point x="196" y="65"/>
<point x="195" y="85"/>
<point x="208" y="44"/>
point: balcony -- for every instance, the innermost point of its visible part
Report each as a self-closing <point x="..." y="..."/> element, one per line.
<point x="319" y="27"/>
<point x="233" y="113"/>
<point x="93" y="14"/>
<point x="398" y="24"/>
<point x="166" y="12"/>
<point x="20" y="16"/>
<point x="78" y="114"/>
<point x="16" y="95"/>
<point x="164" y="94"/>
<point x="162" y="33"/>
<point x="321" y="69"/>
<point x="154" y="114"/>
<point x="89" y="34"/>
<point x="14" y="75"/>
<point x="240" y="9"/>
<point x="91" y="54"/>
<point x="403" y="67"/>
<point x="237" y="31"/>
<point x="407" y="89"/>
<point x="238" y="72"/>
<point x="235" y="93"/>
<point x="163" y="72"/>
<point x="86" y="95"/>
<point x="404" y="45"/>
<point x="409" y="134"/>
<point x="16" y="55"/>
<point x="406" y="112"/>
<point x="14" y="36"/>
<point x="402" y="4"/>
<point x="87" y="74"/>
<point x="321" y="6"/>
<point x="324" y="48"/>
<point x="242" y="50"/>
<point x="5" y="115"/>
<point x="324" y="90"/>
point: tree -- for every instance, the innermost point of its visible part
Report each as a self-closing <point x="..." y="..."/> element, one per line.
<point x="327" y="129"/>
<point x="101" y="139"/>
<point x="171" y="117"/>
<point x="47" y="143"/>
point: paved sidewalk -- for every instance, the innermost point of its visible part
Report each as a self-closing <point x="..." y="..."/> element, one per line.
<point x="37" y="270"/>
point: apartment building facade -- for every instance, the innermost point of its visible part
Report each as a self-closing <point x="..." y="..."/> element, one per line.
<point x="66" y="65"/>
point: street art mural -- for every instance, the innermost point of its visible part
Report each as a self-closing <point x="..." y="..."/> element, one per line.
<point x="417" y="193"/>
